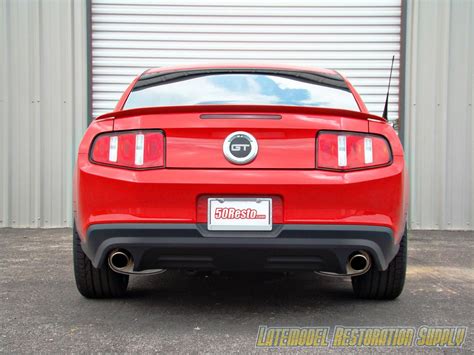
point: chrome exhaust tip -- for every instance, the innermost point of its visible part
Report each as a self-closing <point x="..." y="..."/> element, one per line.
<point x="120" y="261"/>
<point x="358" y="264"/>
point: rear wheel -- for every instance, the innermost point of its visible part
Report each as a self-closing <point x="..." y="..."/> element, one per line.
<point x="92" y="282"/>
<point x="384" y="285"/>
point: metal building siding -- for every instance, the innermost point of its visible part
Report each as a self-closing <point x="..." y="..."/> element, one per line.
<point x="356" y="37"/>
<point x="43" y="109"/>
<point x="439" y="129"/>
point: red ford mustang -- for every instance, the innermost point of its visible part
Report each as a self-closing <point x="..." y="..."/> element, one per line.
<point x="248" y="168"/>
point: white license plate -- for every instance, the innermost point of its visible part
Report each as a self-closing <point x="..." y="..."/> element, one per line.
<point x="239" y="214"/>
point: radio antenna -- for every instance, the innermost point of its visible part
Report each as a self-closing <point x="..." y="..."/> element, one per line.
<point x="385" y="109"/>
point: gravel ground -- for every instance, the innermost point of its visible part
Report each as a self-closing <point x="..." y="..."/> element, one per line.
<point x="41" y="311"/>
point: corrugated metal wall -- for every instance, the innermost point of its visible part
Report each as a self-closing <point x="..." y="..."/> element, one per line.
<point x="440" y="129"/>
<point x="42" y="108"/>
<point x="356" y="37"/>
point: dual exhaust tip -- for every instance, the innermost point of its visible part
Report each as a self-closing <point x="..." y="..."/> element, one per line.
<point x="120" y="261"/>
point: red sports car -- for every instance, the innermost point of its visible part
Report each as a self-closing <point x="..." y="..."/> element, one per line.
<point x="240" y="168"/>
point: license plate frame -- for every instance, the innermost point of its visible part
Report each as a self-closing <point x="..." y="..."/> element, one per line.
<point x="262" y="206"/>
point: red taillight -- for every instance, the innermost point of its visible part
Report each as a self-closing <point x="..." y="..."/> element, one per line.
<point x="130" y="149"/>
<point x="351" y="151"/>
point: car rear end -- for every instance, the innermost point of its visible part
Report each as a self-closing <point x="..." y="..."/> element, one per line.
<point x="239" y="186"/>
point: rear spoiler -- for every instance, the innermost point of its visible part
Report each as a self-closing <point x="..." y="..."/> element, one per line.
<point x="335" y="81"/>
<point x="272" y="109"/>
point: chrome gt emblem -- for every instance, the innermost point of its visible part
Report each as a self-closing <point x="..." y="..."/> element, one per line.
<point x="240" y="147"/>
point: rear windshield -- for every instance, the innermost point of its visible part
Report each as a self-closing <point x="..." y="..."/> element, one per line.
<point x="235" y="88"/>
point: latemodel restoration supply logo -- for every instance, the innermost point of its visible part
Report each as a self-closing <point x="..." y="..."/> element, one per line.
<point x="424" y="336"/>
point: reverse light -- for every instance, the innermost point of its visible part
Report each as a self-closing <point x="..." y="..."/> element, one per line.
<point x="345" y="151"/>
<point x="129" y="149"/>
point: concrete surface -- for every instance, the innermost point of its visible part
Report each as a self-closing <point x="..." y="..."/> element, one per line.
<point x="41" y="311"/>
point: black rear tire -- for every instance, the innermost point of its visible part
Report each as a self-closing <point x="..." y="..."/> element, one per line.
<point x="384" y="285"/>
<point x="92" y="282"/>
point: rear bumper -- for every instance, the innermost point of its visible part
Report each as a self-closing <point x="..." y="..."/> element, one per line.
<point x="107" y="195"/>
<point x="287" y="247"/>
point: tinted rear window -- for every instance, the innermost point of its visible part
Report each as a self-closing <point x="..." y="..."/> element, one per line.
<point x="232" y="89"/>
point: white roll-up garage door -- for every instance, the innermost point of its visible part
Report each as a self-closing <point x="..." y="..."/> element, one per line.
<point x="356" y="37"/>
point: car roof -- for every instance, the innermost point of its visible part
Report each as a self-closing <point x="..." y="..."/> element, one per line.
<point x="234" y="65"/>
